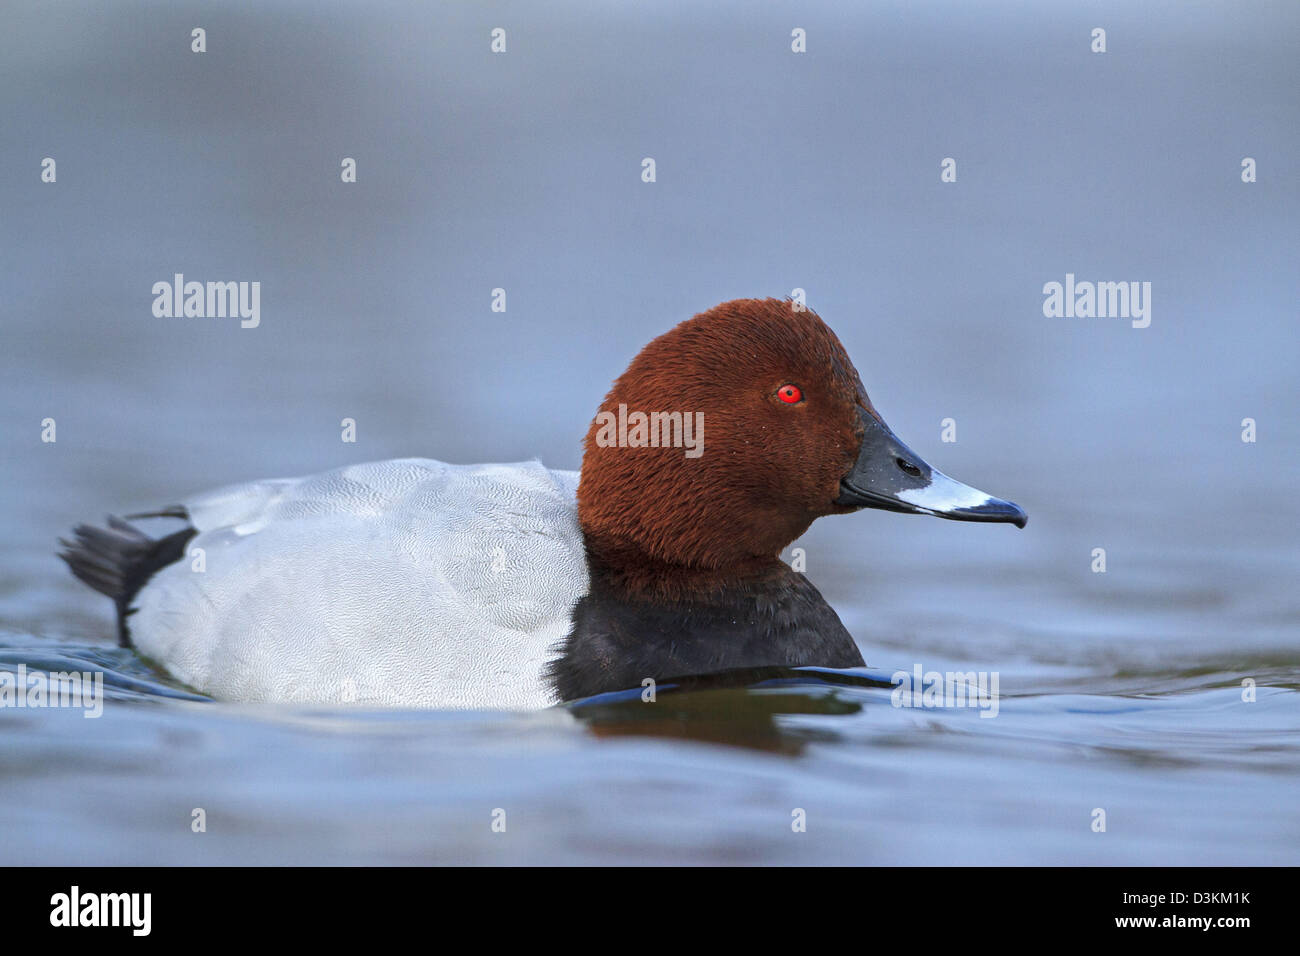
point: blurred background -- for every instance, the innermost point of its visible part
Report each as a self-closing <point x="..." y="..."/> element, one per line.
<point x="775" y="171"/>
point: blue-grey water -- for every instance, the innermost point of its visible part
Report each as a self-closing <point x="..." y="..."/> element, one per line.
<point x="1124" y="691"/>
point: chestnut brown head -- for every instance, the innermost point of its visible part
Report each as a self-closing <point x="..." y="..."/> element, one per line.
<point x="731" y="433"/>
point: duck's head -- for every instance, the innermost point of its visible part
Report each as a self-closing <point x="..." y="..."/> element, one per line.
<point x="788" y="435"/>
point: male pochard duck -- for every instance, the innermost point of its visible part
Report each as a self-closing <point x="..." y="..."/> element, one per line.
<point x="417" y="583"/>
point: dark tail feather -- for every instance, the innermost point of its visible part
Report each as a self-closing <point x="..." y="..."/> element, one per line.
<point x="120" y="559"/>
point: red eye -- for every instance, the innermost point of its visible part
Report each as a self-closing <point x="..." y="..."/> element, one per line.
<point x="790" y="394"/>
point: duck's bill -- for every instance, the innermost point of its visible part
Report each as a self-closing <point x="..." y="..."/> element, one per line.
<point x="891" y="476"/>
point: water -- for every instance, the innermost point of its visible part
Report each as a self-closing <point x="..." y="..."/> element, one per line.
<point x="1120" y="691"/>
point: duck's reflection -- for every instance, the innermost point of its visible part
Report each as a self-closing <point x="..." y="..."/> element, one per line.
<point x="738" y="708"/>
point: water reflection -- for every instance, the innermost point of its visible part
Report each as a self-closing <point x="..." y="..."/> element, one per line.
<point x="740" y="708"/>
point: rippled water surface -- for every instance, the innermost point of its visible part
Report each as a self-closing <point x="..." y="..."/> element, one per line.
<point x="1188" y="774"/>
<point x="1123" y="691"/>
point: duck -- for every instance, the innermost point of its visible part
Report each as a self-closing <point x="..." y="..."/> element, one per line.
<point x="417" y="583"/>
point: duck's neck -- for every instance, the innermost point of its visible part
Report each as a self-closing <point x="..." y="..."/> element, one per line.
<point x="644" y="619"/>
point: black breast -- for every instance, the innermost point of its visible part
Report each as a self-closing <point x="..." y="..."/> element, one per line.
<point x="615" y="644"/>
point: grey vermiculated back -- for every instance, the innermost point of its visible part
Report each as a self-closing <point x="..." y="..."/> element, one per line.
<point x="404" y="583"/>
